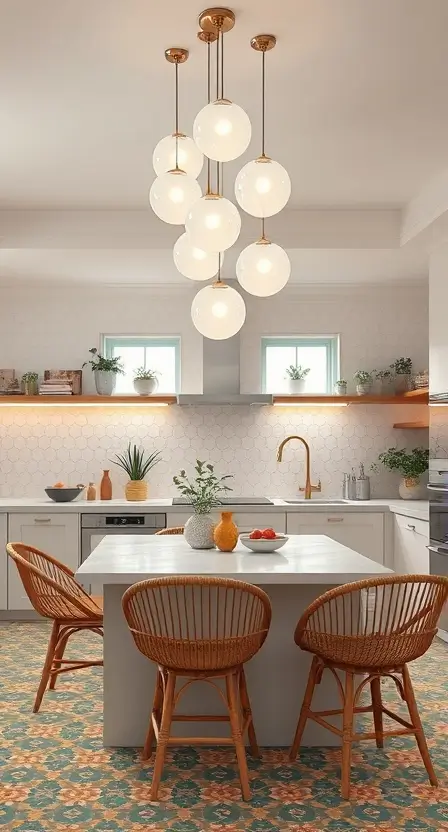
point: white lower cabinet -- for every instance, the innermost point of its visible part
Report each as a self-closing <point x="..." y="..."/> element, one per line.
<point x="245" y="520"/>
<point x="361" y="531"/>
<point x="55" y="533"/>
<point x="411" y="538"/>
<point x="3" y="562"/>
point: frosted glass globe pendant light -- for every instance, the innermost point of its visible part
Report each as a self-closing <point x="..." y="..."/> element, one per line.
<point x="218" y="311"/>
<point x="263" y="186"/>
<point x="222" y="129"/>
<point x="175" y="190"/>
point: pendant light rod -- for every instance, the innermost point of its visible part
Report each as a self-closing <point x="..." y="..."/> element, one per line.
<point x="208" y="38"/>
<point x="263" y="43"/>
<point x="176" y="55"/>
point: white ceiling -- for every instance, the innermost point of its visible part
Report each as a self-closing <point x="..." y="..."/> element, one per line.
<point x="356" y="96"/>
<point x="155" y="266"/>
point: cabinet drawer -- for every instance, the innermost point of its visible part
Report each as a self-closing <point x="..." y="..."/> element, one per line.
<point x="363" y="532"/>
<point x="411" y="524"/>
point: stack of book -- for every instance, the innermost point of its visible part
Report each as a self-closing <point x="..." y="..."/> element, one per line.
<point x="55" y="387"/>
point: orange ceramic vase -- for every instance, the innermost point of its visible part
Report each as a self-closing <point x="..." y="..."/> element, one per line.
<point x="226" y="533"/>
<point x="106" y="486"/>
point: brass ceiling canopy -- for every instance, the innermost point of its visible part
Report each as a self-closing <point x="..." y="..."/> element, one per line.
<point x="176" y="55"/>
<point x="263" y="43"/>
<point x="217" y="19"/>
<point x="208" y="37"/>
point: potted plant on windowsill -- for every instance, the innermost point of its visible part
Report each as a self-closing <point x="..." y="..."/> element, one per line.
<point x="363" y="382"/>
<point x="137" y="466"/>
<point x="402" y="368"/>
<point x="203" y="494"/>
<point x="340" y="388"/>
<point x="105" y="371"/>
<point x="384" y="380"/>
<point x="145" y="381"/>
<point x="411" y="465"/>
<point x="296" y="377"/>
<point x="29" y="383"/>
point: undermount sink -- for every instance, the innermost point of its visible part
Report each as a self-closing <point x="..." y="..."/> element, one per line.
<point x="301" y="500"/>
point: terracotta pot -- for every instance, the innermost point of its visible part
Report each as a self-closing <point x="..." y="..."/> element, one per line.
<point x="226" y="533"/>
<point x="136" y="490"/>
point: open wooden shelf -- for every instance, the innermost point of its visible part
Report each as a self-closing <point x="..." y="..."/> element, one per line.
<point x="412" y="425"/>
<point x="412" y="397"/>
<point x="91" y="401"/>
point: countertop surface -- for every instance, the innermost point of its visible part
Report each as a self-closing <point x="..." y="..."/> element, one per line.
<point x="411" y="508"/>
<point x="305" y="559"/>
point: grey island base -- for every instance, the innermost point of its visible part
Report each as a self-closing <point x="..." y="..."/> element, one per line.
<point x="302" y="570"/>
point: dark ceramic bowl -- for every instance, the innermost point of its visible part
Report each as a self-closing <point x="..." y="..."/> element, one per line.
<point x="63" y="495"/>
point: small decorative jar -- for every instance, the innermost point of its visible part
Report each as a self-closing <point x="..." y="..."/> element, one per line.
<point x="226" y="533"/>
<point x="340" y="388"/>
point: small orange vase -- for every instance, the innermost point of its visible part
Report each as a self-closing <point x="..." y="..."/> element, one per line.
<point x="106" y="486"/>
<point x="226" y="533"/>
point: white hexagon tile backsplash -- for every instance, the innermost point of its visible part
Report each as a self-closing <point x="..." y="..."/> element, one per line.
<point x="40" y="446"/>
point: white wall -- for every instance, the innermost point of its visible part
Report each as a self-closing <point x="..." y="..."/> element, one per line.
<point x="438" y="305"/>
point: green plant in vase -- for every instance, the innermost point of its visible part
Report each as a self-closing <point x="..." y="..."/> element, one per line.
<point x="137" y="465"/>
<point x="363" y="380"/>
<point x="203" y="492"/>
<point x="105" y="371"/>
<point x="30" y="383"/>
<point x="296" y="376"/>
<point x="145" y="381"/>
<point x="410" y="465"/>
<point x="402" y="367"/>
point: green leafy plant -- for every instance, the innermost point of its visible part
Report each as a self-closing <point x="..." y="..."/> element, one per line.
<point x="135" y="463"/>
<point x="107" y="365"/>
<point x="30" y="377"/>
<point x="341" y="382"/>
<point x="385" y="375"/>
<point x="402" y="366"/>
<point x="410" y="464"/>
<point x="363" y="377"/>
<point x="296" y="372"/>
<point x="148" y="375"/>
<point x="203" y="491"/>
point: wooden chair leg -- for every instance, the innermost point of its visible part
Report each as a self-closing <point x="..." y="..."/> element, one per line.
<point x="377" y="705"/>
<point x="156" y="710"/>
<point x="58" y="656"/>
<point x="164" y="733"/>
<point x="311" y="684"/>
<point x="417" y="723"/>
<point x="347" y="732"/>
<point x="47" y="666"/>
<point x="247" y="714"/>
<point x="233" y="705"/>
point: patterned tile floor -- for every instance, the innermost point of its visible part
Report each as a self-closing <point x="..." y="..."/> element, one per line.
<point x="56" y="776"/>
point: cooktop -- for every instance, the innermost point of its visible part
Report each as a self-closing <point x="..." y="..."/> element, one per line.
<point x="230" y="501"/>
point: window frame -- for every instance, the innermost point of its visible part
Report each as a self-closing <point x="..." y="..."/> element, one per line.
<point x="330" y="342"/>
<point x="109" y="341"/>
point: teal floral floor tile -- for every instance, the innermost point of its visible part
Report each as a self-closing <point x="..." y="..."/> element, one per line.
<point x="55" y="775"/>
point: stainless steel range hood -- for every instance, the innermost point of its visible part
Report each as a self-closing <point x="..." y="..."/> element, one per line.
<point x="221" y="377"/>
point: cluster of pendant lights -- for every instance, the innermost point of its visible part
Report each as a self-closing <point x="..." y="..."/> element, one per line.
<point x="221" y="132"/>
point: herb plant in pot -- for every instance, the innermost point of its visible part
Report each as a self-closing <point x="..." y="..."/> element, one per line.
<point x="384" y="380"/>
<point x="105" y="371"/>
<point x="340" y="388"/>
<point x="402" y="368"/>
<point x="296" y="377"/>
<point x="30" y="383"/>
<point x="136" y="465"/>
<point x="145" y="381"/>
<point x="411" y="465"/>
<point x="202" y="492"/>
<point x="363" y="382"/>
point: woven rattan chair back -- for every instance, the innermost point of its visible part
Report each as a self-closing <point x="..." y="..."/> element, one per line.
<point x="50" y="585"/>
<point x="197" y="623"/>
<point x="174" y="530"/>
<point x="379" y="622"/>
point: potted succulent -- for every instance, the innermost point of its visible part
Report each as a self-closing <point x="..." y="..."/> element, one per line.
<point x="145" y="381"/>
<point x="411" y="465"/>
<point x="30" y="383"/>
<point x="402" y="368"/>
<point x="203" y="493"/>
<point x="340" y="388"/>
<point x="105" y="371"/>
<point x="384" y="379"/>
<point x="363" y="382"/>
<point x="296" y="376"/>
<point x="136" y="465"/>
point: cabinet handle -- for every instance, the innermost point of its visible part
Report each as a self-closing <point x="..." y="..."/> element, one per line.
<point x="411" y="528"/>
<point x="42" y="519"/>
<point x="335" y="519"/>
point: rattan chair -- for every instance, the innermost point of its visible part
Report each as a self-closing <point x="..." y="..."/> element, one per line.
<point x="174" y="530"/>
<point x="372" y="629"/>
<point x="202" y="629"/>
<point x="54" y="593"/>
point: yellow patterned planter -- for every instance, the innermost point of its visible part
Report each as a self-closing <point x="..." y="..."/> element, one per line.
<point x="136" y="490"/>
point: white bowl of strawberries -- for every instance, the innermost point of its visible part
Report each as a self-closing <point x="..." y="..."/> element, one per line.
<point x="263" y="540"/>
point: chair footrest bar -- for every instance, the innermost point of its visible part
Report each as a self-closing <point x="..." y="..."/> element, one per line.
<point x="397" y="718"/>
<point x="200" y="718"/>
<point x="200" y="741"/>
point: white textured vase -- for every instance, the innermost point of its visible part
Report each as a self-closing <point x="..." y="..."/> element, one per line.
<point x="363" y="389"/>
<point x="296" y="385"/>
<point x="198" y="531"/>
<point x="105" y="382"/>
<point x="145" y="386"/>
<point x="411" y="488"/>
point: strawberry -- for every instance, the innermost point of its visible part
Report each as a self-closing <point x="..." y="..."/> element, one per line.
<point x="269" y="534"/>
<point x="256" y="534"/>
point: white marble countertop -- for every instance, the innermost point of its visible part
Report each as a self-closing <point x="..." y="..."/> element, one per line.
<point x="411" y="508"/>
<point x="305" y="559"/>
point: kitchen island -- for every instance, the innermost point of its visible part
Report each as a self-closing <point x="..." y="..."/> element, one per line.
<point x="293" y="577"/>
